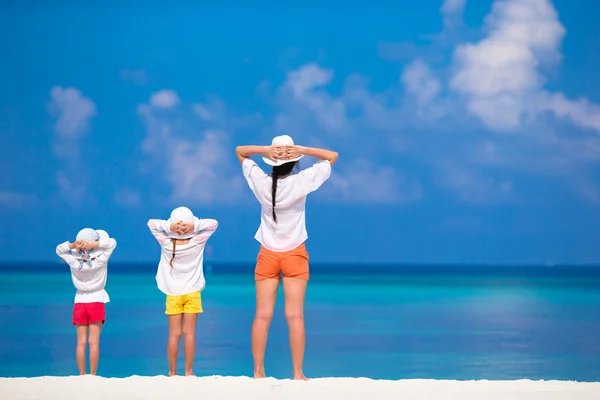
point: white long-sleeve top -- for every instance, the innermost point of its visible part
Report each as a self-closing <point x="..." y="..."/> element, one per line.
<point x="89" y="280"/>
<point x="187" y="274"/>
<point x="289" y="231"/>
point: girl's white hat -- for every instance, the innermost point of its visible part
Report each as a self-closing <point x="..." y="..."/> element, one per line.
<point x="283" y="140"/>
<point x="90" y="235"/>
<point x="184" y="215"/>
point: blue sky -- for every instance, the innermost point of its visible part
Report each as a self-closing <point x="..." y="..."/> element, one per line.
<point x="468" y="131"/>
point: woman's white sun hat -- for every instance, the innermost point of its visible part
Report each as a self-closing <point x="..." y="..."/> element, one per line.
<point x="283" y="140"/>
<point x="184" y="215"/>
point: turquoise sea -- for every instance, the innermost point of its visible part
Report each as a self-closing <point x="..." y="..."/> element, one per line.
<point x="390" y="322"/>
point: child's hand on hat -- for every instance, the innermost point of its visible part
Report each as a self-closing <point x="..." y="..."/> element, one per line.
<point x="182" y="228"/>
<point x="76" y="245"/>
<point x="187" y="228"/>
<point x="176" y="227"/>
<point x="89" y="245"/>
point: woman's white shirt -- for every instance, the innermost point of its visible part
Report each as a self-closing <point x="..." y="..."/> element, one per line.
<point x="289" y="231"/>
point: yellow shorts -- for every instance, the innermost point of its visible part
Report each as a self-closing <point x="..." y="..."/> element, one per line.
<point x="184" y="304"/>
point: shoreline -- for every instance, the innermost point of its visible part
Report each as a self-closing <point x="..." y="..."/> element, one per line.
<point x="243" y="387"/>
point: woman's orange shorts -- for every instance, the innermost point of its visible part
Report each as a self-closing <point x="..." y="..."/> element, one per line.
<point x="293" y="263"/>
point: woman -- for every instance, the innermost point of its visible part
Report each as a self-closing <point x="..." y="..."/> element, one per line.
<point x="282" y="234"/>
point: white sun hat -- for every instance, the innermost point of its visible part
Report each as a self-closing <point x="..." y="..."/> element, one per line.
<point x="102" y="234"/>
<point x="283" y="140"/>
<point x="90" y="235"/>
<point x="184" y="215"/>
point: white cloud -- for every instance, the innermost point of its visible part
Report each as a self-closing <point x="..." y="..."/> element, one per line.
<point x="164" y="99"/>
<point x="312" y="101"/>
<point x="197" y="163"/>
<point x="12" y="198"/>
<point x="136" y="76"/>
<point x="499" y="75"/>
<point x="473" y="187"/>
<point x="71" y="110"/>
<point x="581" y="112"/>
<point x="127" y="198"/>
<point x="203" y="112"/>
<point x="307" y="78"/>
<point x="362" y="182"/>
<point x="453" y="6"/>
<point x="421" y="83"/>
<point x="311" y="115"/>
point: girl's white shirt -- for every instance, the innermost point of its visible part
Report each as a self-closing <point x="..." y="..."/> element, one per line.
<point x="89" y="280"/>
<point x="289" y="231"/>
<point x="187" y="274"/>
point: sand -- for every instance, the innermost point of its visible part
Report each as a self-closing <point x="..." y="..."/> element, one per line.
<point x="218" y="387"/>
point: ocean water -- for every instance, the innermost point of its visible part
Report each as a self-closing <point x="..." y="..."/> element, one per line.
<point x="393" y="322"/>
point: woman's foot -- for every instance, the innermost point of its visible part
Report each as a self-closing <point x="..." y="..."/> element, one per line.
<point x="172" y="373"/>
<point x="300" y="377"/>
<point x="189" y="373"/>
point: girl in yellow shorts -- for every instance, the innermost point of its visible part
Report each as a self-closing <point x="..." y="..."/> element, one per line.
<point x="180" y="276"/>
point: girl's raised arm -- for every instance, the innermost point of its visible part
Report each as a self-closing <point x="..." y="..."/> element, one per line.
<point x="158" y="227"/>
<point x="63" y="250"/>
<point x="204" y="228"/>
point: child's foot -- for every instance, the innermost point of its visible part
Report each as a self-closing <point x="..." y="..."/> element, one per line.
<point x="259" y="374"/>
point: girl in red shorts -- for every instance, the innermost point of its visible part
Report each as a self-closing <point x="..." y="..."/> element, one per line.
<point x="88" y="257"/>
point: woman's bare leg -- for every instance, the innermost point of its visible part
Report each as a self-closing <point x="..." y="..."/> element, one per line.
<point x="189" y="341"/>
<point x="174" y="336"/>
<point x="94" y="341"/>
<point x="82" y="333"/>
<point x="266" y="294"/>
<point x="294" y="291"/>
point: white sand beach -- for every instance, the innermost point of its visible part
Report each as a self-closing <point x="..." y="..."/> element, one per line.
<point x="218" y="387"/>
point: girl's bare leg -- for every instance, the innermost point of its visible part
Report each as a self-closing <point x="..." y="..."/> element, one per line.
<point x="294" y="291"/>
<point x="94" y="341"/>
<point x="174" y="336"/>
<point x="189" y="341"/>
<point x="266" y="294"/>
<point x="82" y="333"/>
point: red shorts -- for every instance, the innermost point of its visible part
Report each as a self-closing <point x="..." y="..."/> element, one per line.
<point x="87" y="313"/>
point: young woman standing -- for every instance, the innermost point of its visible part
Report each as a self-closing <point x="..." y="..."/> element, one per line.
<point x="281" y="235"/>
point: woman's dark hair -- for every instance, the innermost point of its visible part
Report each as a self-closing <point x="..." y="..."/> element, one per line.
<point x="279" y="170"/>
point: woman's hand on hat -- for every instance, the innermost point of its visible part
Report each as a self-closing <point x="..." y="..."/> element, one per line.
<point x="275" y="153"/>
<point x="292" y="152"/>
